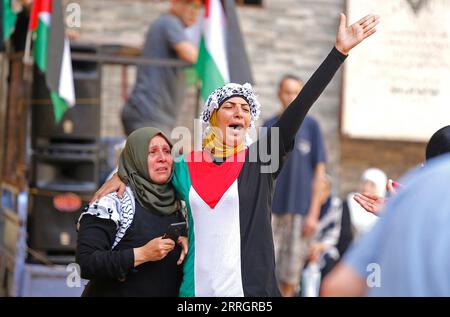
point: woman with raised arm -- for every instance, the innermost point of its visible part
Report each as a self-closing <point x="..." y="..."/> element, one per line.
<point x="228" y="189"/>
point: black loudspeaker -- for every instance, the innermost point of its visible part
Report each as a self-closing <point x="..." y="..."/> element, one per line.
<point x="66" y="167"/>
<point x="65" y="160"/>
<point x="52" y="221"/>
<point x="81" y="123"/>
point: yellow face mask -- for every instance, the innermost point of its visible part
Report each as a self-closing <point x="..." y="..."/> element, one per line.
<point x="215" y="145"/>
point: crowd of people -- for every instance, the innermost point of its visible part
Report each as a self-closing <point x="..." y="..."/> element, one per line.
<point x="250" y="228"/>
<point x="226" y="195"/>
<point x="281" y="232"/>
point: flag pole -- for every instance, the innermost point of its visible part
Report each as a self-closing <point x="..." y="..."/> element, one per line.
<point x="198" y="126"/>
<point x="27" y="59"/>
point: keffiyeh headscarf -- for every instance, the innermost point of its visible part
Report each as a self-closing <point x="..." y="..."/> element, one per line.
<point x="218" y="97"/>
<point x="222" y="94"/>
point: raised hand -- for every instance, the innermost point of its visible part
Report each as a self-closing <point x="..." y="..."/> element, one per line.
<point x="349" y="36"/>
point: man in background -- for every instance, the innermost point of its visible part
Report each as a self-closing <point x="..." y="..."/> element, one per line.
<point x="296" y="202"/>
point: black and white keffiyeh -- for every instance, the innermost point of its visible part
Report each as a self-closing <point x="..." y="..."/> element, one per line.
<point x="220" y="95"/>
<point x="111" y="207"/>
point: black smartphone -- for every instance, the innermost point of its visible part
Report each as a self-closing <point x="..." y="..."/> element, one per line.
<point x="175" y="230"/>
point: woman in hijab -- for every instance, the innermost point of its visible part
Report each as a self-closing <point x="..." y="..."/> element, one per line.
<point x="120" y="245"/>
<point x="228" y="185"/>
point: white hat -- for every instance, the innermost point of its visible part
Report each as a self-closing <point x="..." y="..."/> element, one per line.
<point x="378" y="177"/>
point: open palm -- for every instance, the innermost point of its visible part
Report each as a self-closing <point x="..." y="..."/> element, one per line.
<point x="371" y="203"/>
<point x="349" y="36"/>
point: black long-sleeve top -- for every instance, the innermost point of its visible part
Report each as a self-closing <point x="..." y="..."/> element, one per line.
<point x="256" y="188"/>
<point x="112" y="272"/>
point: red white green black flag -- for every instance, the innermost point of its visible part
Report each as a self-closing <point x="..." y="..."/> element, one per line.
<point x="52" y="53"/>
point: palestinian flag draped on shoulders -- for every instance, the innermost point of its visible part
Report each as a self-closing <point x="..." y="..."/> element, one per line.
<point x="52" y="53"/>
<point x="222" y="57"/>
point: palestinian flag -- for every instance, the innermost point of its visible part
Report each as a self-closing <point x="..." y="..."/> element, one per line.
<point x="9" y="18"/>
<point x="51" y="44"/>
<point x="222" y="56"/>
